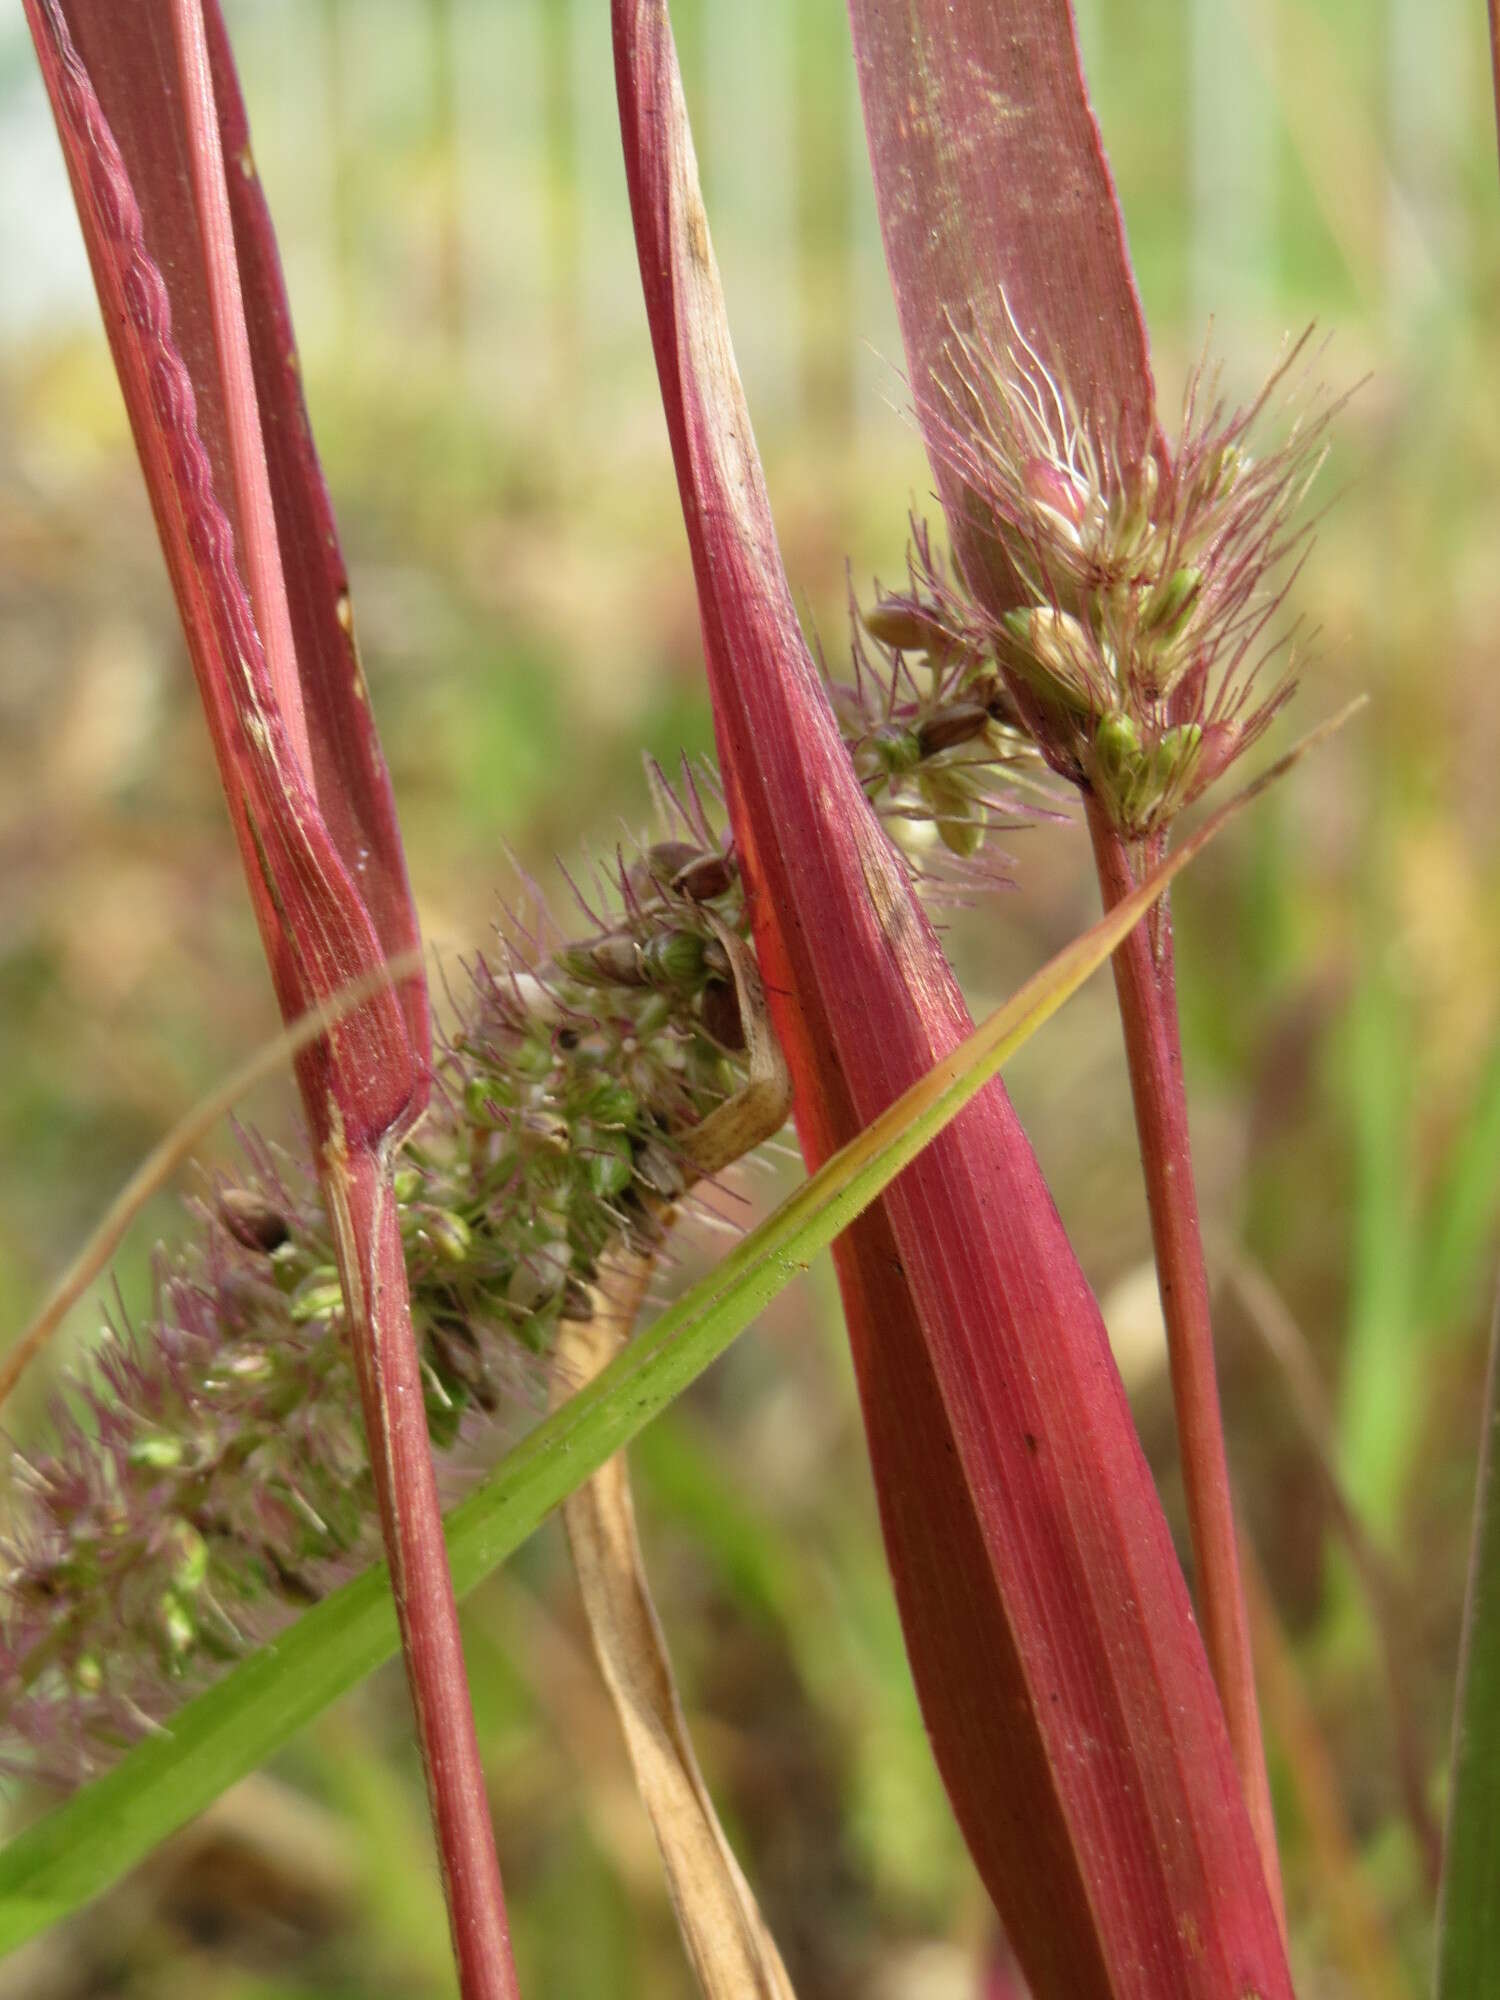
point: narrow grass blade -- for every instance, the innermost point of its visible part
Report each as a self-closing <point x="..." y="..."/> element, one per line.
<point x="1463" y="1209"/>
<point x="169" y="1154"/>
<point x="1381" y="1403"/>
<point x="1468" y="1907"/>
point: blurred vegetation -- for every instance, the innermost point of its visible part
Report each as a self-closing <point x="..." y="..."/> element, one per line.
<point x="446" y="179"/>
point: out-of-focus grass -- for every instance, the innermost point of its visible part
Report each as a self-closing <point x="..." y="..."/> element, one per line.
<point x="476" y="360"/>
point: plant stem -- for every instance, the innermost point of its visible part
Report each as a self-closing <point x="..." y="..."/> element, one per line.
<point x="1344" y="1894"/>
<point x="1146" y="985"/>
<point x="372" y="1266"/>
<point x="357" y="1185"/>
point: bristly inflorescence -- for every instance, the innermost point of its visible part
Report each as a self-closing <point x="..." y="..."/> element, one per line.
<point x="207" y="1475"/>
<point x="931" y="728"/>
<point x="1141" y="645"/>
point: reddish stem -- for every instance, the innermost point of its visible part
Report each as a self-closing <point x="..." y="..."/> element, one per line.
<point x="372" y="1267"/>
<point x="1146" y="984"/>
<point x="357" y="1186"/>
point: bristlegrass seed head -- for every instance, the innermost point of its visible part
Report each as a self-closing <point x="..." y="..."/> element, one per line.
<point x="1141" y="650"/>
<point x="206" y="1476"/>
<point x="932" y="729"/>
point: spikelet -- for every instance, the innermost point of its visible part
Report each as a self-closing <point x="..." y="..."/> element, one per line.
<point x="207" y="1475"/>
<point x="1142" y="652"/>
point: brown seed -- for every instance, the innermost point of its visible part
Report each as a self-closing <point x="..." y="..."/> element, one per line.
<point x="455" y="1351"/>
<point x="251" y="1220"/>
<point x="958" y="723"/>
<point x="903" y="625"/>
<point x="668" y="858"/>
<point x="652" y="872"/>
<point x="617" y="959"/>
<point x="997" y="700"/>
<point x="719" y="1008"/>
<point x="576" y="1302"/>
<point x="705" y="877"/>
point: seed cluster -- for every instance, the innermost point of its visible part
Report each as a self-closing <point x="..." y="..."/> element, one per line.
<point x="208" y="1477"/>
<point x="933" y="731"/>
<point x="1139" y="647"/>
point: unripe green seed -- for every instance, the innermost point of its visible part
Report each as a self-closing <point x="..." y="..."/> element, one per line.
<point x="531" y="1058"/>
<point x="178" y="1629"/>
<point x="319" y="1301"/>
<point x="187" y="1556"/>
<point x="653" y="1015"/>
<point x="1231" y="462"/>
<point x="896" y="748"/>
<point x="1117" y="745"/>
<point x="1170" y="605"/>
<point x="675" y="957"/>
<point x="483" y="1105"/>
<point x="157" y="1453"/>
<point x="1121" y="770"/>
<point x="962" y="837"/>
<point x="1173" y="758"/>
<point x="611" y="1104"/>
<point x="448" y="1234"/>
<point x="955" y="812"/>
<point x="610" y="1165"/>
<point x="1052" y="654"/>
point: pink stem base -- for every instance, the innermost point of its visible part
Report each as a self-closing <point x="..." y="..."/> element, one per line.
<point x="1146" y="985"/>
<point x="372" y="1266"/>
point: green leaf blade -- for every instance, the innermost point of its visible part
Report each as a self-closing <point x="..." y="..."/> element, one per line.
<point x="1469" y="1909"/>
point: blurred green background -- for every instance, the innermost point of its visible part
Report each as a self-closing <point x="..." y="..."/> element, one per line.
<point x="446" y="179"/>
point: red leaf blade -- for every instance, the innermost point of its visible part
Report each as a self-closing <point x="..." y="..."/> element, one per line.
<point x="350" y="775"/>
<point x="999" y="219"/>
<point x="111" y="70"/>
<point x="1061" y="1676"/>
